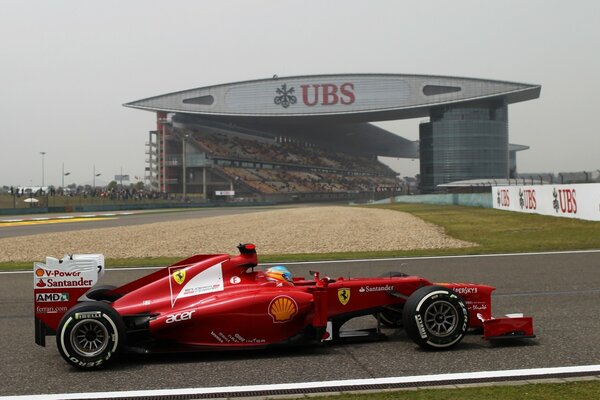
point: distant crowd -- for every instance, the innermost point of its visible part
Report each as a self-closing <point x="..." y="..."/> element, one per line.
<point x="283" y="165"/>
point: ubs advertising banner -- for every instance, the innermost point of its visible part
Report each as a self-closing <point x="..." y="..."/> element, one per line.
<point x="580" y="201"/>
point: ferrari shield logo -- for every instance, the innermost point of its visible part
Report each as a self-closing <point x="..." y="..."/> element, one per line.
<point x="179" y="276"/>
<point x="344" y="295"/>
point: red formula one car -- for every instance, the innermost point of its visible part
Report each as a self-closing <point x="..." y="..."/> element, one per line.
<point x="218" y="302"/>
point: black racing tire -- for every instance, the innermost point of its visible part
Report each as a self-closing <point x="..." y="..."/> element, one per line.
<point x="90" y="335"/>
<point x="435" y="317"/>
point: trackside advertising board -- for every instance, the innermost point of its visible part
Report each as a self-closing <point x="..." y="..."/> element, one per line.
<point x="581" y="201"/>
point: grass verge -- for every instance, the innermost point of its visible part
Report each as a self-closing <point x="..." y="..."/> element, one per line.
<point x="541" y="391"/>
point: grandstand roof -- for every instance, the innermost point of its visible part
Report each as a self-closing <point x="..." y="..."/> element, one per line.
<point x="339" y="98"/>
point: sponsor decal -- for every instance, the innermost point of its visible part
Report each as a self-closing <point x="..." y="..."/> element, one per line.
<point x="90" y="363"/>
<point x="235" y="280"/>
<point x="51" y="297"/>
<point x="367" y="289"/>
<point x="60" y="283"/>
<point x="50" y="310"/>
<point x="565" y="200"/>
<point x="76" y="271"/>
<point x="328" y="94"/>
<point x="344" y="295"/>
<point x="527" y="199"/>
<point x="179" y="276"/>
<point x="283" y="309"/>
<point x="479" y="307"/>
<point x="322" y="94"/>
<point x="285" y="96"/>
<point x="465" y="290"/>
<point x="208" y="281"/>
<point x="420" y="326"/>
<point x="503" y="197"/>
<point x="184" y="316"/>
<point x="234" y="338"/>
<point x="88" y="315"/>
<point x="146" y="302"/>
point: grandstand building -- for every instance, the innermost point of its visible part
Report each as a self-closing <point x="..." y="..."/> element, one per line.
<point x="311" y="137"/>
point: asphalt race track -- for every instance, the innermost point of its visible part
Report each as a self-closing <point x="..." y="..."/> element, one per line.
<point x="34" y="224"/>
<point x="561" y="291"/>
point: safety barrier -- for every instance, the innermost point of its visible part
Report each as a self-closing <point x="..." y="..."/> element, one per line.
<point x="581" y="201"/>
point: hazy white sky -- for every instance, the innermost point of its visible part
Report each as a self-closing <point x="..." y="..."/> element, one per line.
<point x="68" y="66"/>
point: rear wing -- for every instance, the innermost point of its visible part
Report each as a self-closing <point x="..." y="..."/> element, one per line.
<point x="57" y="286"/>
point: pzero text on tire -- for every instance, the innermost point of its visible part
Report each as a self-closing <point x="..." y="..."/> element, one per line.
<point x="90" y="335"/>
<point x="435" y="317"/>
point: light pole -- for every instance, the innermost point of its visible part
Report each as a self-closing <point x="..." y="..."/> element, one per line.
<point x="94" y="178"/>
<point x="43" y="153"/>
<point x="184" y="162"/>
<point x="63" y="176"/>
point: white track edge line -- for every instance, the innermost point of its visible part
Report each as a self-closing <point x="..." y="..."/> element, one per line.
<point x="534" y="372"/>
<point x="363" y="260"/>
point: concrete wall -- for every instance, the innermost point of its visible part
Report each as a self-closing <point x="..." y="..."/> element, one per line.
<point x="458" y="199"/>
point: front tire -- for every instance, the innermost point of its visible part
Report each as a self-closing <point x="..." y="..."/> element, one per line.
<point x="90" y="335"/>
<point x="435" y="317"/>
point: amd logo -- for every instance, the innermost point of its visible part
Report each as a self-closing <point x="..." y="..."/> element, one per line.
<point x="51" y="297"/>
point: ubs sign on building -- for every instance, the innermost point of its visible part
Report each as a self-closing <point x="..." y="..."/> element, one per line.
<point x="466" y="136"/>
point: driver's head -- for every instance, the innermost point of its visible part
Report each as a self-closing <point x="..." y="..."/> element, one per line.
<point x="279" y="274"/>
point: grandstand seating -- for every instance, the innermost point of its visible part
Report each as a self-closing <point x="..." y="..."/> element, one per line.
<point x="285" y="167"/>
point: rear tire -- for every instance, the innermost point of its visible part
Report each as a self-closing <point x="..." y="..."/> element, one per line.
<point x="90" y="335"/>
<point x="435" y="317"/>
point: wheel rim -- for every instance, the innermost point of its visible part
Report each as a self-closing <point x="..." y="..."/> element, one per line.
<point x="89" y="337"/>
<point x="441" y="318"/>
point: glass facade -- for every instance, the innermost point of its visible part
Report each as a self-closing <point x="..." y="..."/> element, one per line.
<point x="464" y="142"/>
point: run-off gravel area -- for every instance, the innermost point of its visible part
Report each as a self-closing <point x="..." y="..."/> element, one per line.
<point x="298" y="230"/>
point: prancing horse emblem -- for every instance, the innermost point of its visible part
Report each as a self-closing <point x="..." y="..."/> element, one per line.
<point x="179" y="276"/>
<point x="344" y="295"/>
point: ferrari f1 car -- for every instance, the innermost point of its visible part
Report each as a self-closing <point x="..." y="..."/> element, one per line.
<point x="219" y="302"/>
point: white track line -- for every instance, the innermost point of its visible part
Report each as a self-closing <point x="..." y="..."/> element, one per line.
<point x="364" y="260"/>
<point x="440" y="378"/>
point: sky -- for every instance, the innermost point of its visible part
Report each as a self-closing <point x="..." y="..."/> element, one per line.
<point x="67" y="67"/>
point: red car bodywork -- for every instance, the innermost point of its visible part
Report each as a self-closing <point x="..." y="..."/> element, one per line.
<point x="221" y="301"/>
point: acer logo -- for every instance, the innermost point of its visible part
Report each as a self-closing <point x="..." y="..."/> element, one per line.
<point x="184" y="316"/>
<point x="328" y="94"/>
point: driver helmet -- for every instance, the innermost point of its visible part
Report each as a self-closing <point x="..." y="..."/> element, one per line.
<point x="279" y="274"/>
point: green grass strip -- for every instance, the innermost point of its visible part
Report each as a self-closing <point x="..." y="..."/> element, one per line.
<point x="579" y="390"/>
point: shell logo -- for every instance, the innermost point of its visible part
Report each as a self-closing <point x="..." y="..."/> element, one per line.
<point x="39" y="272"/>
<point x="282" y="309"/>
